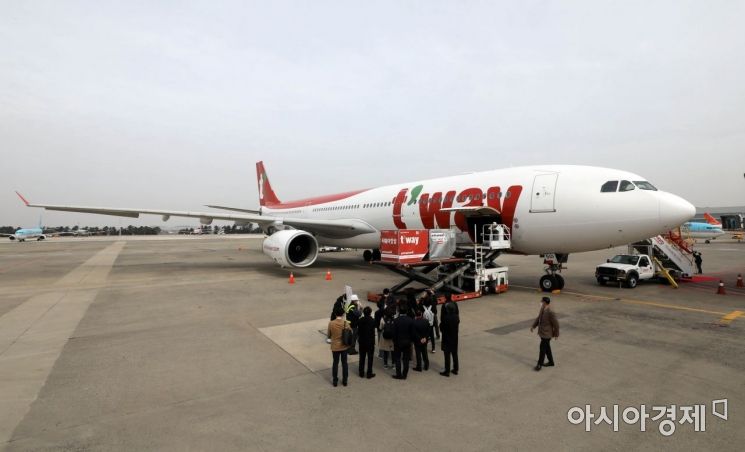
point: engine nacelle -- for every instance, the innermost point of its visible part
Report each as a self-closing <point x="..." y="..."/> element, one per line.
<point x="291" y="248"/>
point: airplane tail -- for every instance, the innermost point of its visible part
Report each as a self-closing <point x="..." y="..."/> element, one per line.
<point x="267" y="197"/>
<point x="711" y="220"/>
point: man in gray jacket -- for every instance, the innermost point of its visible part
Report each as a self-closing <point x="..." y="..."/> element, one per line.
<point x="548" y="327"/>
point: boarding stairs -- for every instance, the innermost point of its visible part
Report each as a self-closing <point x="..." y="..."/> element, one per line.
<point x="670" y="253"/>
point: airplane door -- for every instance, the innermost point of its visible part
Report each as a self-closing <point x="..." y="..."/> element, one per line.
<point x="544" y="191"/>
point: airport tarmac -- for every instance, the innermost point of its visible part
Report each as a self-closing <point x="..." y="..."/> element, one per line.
<point x="199" y="343"/>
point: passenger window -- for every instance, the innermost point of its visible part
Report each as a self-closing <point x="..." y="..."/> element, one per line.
<point x="626" y="186"/>
<point x="644" y="262"/>
<point x="609" y="187"/>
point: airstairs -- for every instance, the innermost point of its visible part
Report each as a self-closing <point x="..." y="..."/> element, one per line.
<point x="675" y="256"/>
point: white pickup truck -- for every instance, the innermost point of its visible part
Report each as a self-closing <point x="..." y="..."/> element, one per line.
<point x="628" y="269"/>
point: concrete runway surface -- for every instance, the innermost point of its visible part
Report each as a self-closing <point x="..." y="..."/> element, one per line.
<point x="199" y="343"/>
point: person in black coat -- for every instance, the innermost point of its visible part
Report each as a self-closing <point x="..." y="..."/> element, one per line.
<point x="449" y="329"/>
<point x="403" y="336"/>
<point x="422" y="331"/>
<point x="366" y="329"/>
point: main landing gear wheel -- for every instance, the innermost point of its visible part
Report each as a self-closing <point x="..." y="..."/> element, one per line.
<point x="367" y="255"/>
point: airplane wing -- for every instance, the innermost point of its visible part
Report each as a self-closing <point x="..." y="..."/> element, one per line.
<point x="327" y="228"/>
<point x="234" y="209"/>
<point x="6" y="235"/>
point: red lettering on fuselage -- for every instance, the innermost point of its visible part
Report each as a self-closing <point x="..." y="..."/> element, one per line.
<point x="397" y="207"/>
<point x="471" y="197"/>
<point x="430" y="209"/>
<point x="431" y="206"/>
<point x="494" y="199"/>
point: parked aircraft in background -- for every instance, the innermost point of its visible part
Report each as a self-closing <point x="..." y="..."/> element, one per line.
<point x="700" y="230"/>
<point x="23" y="234"/>
<point x="550" y="209"/>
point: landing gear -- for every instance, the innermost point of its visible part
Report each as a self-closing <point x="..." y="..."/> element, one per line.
<point x="371" y="255"/>
<point x="548" y="283"/>
<point x="559" y="281"/>
<point x="552" y="280"/>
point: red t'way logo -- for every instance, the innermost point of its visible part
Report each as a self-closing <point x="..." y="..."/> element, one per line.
<point x="430" y="206"/>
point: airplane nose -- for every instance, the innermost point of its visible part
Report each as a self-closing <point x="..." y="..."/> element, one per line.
<point x="674" y="210"/>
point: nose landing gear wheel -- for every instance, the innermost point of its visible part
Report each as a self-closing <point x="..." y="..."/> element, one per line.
<point x="376" y="255"/>
<point x="559" y="282"/>
<point x="367" y="255"/>
<point x="548" y="283"/>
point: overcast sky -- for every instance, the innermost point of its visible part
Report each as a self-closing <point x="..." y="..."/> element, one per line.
<point x="169" y="104"/>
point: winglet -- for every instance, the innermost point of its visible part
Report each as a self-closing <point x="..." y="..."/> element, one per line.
<point x="267" y="197"/>
<point x="22" y="198"/>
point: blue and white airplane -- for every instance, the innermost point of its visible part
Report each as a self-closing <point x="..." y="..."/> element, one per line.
<point x="24" y="234"/>
<point x="707" y="231"/>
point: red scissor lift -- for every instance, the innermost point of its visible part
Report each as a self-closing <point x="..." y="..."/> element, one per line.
<point x="404" y="252"/>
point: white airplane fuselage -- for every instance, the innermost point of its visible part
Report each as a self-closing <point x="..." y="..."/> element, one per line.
<point x="550" y="209"/>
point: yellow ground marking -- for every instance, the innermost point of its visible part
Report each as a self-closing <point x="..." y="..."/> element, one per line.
<point x="727" y="319"/>
<point x="642" y="302"/>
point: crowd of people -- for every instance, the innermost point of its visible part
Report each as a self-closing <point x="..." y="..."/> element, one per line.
<point x="406" y="330"/>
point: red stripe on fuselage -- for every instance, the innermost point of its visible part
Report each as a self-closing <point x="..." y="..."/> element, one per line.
<point x="314" y="201"/>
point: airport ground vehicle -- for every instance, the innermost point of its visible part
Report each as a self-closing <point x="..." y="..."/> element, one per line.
<point x="628" y="269"/>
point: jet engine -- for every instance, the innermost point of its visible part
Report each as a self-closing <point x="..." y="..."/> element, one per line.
<point x="291" y="248"/>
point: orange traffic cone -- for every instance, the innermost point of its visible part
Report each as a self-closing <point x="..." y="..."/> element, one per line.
<point x="328" y="275"/>
<point x="739" y="281"/>
<point x="292" y="279"/>
<point x="720" y="289"/>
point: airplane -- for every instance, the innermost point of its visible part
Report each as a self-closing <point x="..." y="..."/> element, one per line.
<point x="707" y="231"/>
<point x="550" y="209"/>
<point x="23" y="234"/>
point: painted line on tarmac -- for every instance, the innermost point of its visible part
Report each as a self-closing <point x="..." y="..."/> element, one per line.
<point x="630" y="301"/>
<point x="34" y="333"/>
<point x="727" y="319"/>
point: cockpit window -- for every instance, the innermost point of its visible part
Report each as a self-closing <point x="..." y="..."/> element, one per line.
<point x="644" y="185"/>
<point x="609" y="187"/>
<point x="626" y="186"/>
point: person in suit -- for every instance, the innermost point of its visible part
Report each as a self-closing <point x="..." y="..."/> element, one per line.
<point x="548" y="327"/>
<point x="422" y="331"/>
<point x="403" y="337"/>
<point x="366" y="329"/>
<point x="449" y="326"/>
<point x="338" y="349"/>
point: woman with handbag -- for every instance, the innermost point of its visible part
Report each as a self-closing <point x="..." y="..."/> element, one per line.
<point x="339" y="331"/>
